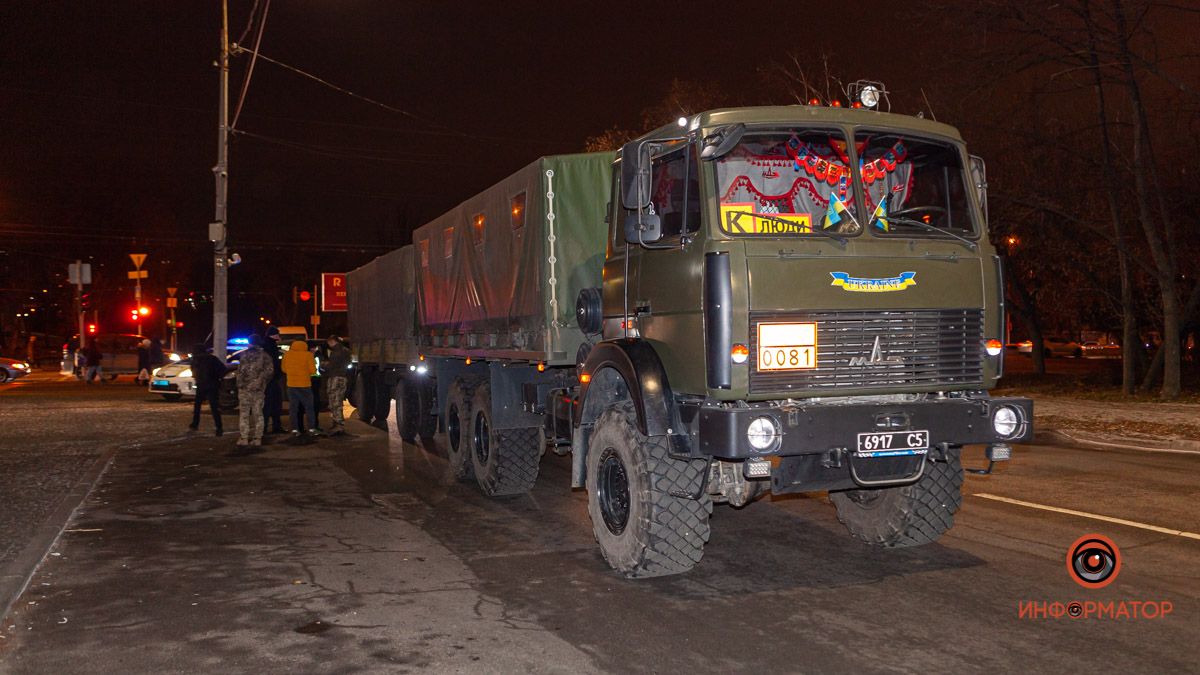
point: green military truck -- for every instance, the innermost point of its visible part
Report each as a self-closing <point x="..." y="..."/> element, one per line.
<point x="774" y="299"/>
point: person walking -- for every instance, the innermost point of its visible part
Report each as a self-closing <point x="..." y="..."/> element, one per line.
<point x="92" y="358"/>
<point x="299" y="366"/>
<point x="337" y="368"/>
<point x="255" y="373"/>
<point x="208" y="372"/>
<point x="143" y="354"/>
<point x="273" y="396"/>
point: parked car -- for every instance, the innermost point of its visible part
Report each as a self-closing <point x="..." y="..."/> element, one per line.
<point x="174" y="381"/>
<point x="1053" y="346"/>
<point x="1094" y="350"/>
<point x="11" y="369"/>
<point x="120" y="354"/>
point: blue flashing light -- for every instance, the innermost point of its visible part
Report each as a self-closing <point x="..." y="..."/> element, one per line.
<point x="239" y="341"/>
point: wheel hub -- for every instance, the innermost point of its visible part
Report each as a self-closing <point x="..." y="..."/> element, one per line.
<point x="483" y="438"/>
<point x="613" y="491"/>
<point x="453" y="428"/>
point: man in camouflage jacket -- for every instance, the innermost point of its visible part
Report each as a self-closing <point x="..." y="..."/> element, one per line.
<point x="255" y="372"/>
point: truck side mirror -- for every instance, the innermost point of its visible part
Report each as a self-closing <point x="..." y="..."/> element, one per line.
<point x="635" y="174"/>
<point x="642" y="228"/>
<point x="979" y="178"/>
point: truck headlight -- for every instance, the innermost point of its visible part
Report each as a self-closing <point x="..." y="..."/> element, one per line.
<point x="1006" y="421"/>
<point x="763" y="433"/>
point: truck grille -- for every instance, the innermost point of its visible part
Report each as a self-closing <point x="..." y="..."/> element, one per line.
<point x="933" y="347"/>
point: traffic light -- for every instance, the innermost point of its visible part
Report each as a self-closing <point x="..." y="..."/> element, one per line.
<point x="305" y="296"/>
<point x="91" y="329"/>
<point x="179" y="324"/>
<point x="143" y="311"/>
<point x="85" y="301"/>
<point x="133" y="314"/>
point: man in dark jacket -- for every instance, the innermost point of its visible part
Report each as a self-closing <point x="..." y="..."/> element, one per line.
<point x="273" y="396"/>
<point x="208" y="372"/>
<point x="337" y="370"/>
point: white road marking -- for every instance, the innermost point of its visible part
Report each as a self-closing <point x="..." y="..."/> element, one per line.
<point x="1093" y="516"/>
<point x="1122" y="446"/>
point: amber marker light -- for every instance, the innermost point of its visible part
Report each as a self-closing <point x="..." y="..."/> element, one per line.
<point x="993" y="347"/>
<point x="740" y="353"/>
<point x="585" y="378"/>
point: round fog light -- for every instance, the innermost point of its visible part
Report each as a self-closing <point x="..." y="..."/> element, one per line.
<point x="1005" y="421"/>
<point x="763" y="433"/>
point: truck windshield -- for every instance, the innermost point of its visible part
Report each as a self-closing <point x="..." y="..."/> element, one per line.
<point x="914" y="187"/>
<point x="788" y="184"/>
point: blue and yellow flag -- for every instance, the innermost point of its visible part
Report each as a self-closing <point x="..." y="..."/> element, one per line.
<point x="833" y="215"/>
<point x="880" y="217"/>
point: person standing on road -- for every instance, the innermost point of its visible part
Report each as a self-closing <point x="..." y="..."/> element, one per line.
<point x="255" y="373"/>
<point x="337" y="365"/>
<point x="208" y="372"/>
<point x="91" y="363"/>
<point x="143" y="354"/>
<point x="299" y="366"/>
<point x="273" y="396"/>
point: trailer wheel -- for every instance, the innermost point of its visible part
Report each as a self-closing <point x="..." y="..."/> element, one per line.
<point x="639" y="499"/>
<point x="505" y="460"/>
<point x="458" y="416"/>
<point x="426" y="407"/>
<point x="364" y="389"/>
<point x="909" y="515"/>
<point x="406" y="410"/>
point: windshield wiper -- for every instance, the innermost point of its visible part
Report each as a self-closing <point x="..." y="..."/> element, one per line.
<point x="971" y="246"/>
<point x="789" y="223"/>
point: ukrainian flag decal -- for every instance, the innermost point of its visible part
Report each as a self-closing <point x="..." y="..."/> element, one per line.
<point x="865" y="285"/>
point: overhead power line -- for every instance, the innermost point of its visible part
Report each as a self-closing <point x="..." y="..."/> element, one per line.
<point x="262" y="24"/>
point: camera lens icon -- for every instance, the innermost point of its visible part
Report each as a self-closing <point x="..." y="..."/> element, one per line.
<point x="1093" y="561"/>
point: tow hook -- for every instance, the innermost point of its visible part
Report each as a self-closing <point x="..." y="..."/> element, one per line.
<point x="999" y="452"/>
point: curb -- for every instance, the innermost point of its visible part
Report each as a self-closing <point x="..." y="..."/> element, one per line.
<point x="1179" y="446"/>
<point x="16" y="575"/>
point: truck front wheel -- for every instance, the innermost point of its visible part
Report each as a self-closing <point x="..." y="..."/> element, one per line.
<point x="640" y="499"/>
<point x="909" y="515"/>
<point x="405" y="396"/>
<point x="505" y="460"/>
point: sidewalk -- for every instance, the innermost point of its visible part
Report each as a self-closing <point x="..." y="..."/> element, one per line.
<point x="1118" y="424"/>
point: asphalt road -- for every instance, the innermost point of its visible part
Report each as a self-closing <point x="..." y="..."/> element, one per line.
<point x="358" y="555"/>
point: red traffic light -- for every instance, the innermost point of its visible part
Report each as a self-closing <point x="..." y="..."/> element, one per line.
<point x="91" y="329"/>
<point x="133" y="315"/>
<point x="179" y="324"/>
<point x="305" y="296"/>
<point x="143" y="310"/>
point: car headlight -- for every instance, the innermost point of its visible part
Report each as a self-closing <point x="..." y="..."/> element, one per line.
<point x="763" y="433"/>
<point x="154" y="373"/>
<point x="21" y="366"/>
<point x="174" y="357"/>
<point x="187" y="372"/>
<point x="1006" y="421"/>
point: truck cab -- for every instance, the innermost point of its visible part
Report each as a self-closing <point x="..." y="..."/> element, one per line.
<point x="795" y="299"/>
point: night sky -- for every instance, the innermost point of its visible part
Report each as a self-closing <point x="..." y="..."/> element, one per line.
<point x="108" y="113"/>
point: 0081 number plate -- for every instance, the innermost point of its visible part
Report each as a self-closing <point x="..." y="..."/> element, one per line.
<point x="787" y="346"/>
<point x="892" y="443"/>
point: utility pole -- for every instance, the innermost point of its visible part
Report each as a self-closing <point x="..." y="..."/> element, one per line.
<point x="216" y="230"/>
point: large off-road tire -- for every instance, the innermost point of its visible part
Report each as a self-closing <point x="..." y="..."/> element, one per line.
<point x="458" y="424"/>
<point x="364" y="394"/>
<point x="505" y="460"/>
<point x="640" y="501"/>
<point x="406" y="409"/>
<point x="909" y="515"/>
<point x="427" y="421"/>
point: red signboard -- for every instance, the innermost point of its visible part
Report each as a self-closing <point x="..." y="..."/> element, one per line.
<point x="333" y="292"/>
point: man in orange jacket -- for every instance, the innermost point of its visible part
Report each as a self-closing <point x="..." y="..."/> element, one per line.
<point x="299" y="366"/>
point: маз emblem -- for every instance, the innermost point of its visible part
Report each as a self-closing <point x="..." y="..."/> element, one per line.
<point x="873" y="285"/>
<point x="876" y="357"/>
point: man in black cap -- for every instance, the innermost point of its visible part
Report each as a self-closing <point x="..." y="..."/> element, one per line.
<point x="208" y="372"/>
<point x="337" y="369"/>
<point x="273" y="397"/>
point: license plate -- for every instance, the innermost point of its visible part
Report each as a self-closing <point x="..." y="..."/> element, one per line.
<point x="787" y="346"/>
<point x="892" y="443"/>
<point x="162" y="383"/>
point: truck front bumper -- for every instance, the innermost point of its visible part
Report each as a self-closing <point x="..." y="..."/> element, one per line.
<point x="722" y="432"/>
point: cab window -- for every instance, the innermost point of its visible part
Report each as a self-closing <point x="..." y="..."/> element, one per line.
<point x="675" y="191"/>
<point x="913" y="185"/>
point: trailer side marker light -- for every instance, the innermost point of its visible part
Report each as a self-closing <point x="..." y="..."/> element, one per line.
<point x="541" y="367"/>
<point x="421" y="357"/>
<point x="468" y="360"/>
<point x="585" y="378"/>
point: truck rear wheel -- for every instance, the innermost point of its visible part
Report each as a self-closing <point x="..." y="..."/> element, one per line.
<point x="909" y="515"/>
<point x="505" y="460"/>
<point x="426" y="417"/>
<point x="406" y="409"/>
<point x="640" y="501"/>
<point x="364" y="399"/>
<point x="458" y="416"/>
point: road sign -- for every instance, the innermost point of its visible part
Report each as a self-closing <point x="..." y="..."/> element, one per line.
<point x="171" y="292"/>
<point x="315" y="319"/>
<point x="333" y="292"/>
<point x="79" y="273"/>
<point x="172" y="303"/>
<point x="140" y="274"/>
<point x="138" y="259"/>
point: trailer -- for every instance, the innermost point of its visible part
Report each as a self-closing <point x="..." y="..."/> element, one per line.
<point x="779" y="299"/>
